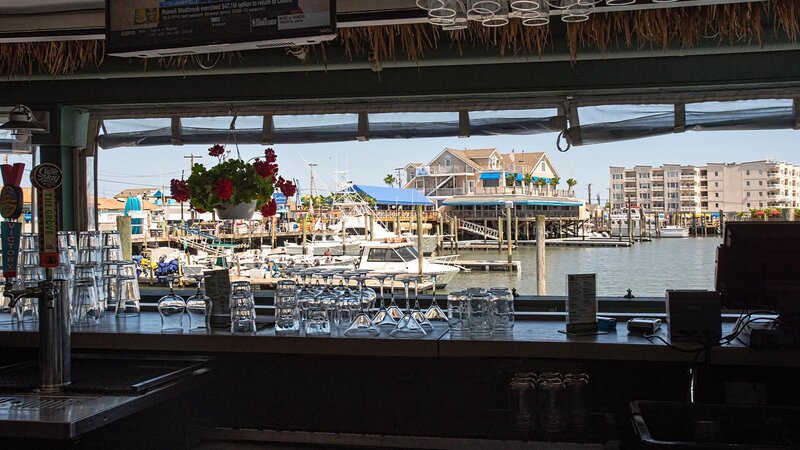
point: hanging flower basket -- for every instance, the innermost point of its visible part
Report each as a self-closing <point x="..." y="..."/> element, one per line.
<point x="233" y="188"/>
<point x="241" y="211"/>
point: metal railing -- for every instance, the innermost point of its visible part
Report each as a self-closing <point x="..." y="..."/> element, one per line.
<point x="480" y="230"/>
<point x="449" y="170"/>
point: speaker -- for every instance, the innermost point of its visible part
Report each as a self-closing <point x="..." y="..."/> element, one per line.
<point x="694" y="316"/>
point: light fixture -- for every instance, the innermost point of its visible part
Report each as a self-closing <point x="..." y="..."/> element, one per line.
<point x="22" y="121"/>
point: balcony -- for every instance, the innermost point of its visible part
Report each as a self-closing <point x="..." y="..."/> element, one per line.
<point x="658" y="198"/>
<point x="688" y="187"/>
<point x="688" y="176"/>
<point x="451" y="170"/>
<point x="630" y="188"/>
<point x="689" y="198"/>
<point x="658" y="177"/>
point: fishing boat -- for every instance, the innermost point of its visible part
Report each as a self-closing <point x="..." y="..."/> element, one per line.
<point x="674" y="231"/>
<point x="396" y="255"/>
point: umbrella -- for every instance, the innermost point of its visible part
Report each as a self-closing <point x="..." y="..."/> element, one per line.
<point x="134" y="204"/>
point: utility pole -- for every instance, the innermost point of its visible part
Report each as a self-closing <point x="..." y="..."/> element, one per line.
<point x="191" y="157"/>
<point x="312" y="185"/>
<point x="399" y="171"/>
<point x="590" y="193"/>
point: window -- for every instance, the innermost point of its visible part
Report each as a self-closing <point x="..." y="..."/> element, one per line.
<point x="644" y="185"/>
<point x="716" y="205"/>
<point x="716" y="194"/>
<point x="616" y="176"/>
<point x="716" y="184"/>
<point x="644" y="175"/>
<point x="493" y="162"/>
<point x="543" y="167"/>
<point x="716" y="174"/>
<point x="748" y="194"/>
<point x="760" y="194"/>
<point x="760" y="204"/>
<point x="748" y="205"/>
<point x="747" y="172"/>
<point x="672" y="185"/>
<point x="672" y="174"/>
<point x="644" y="196"/>
<point x="673" y="195"/>
<point x="447" y="162"/>
<point x="748" y="183"/>
<point x="760" y="183"/>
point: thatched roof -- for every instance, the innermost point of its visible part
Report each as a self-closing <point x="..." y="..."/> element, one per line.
<point x="730" y="23"/>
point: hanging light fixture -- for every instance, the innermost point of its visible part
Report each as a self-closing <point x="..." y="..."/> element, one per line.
<point x="22" y="121"/>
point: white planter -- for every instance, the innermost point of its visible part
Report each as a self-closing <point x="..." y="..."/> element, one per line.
<point x="243" y="211"/>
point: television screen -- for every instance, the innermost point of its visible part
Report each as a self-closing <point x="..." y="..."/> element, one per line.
<point x="142" y="25"/>
<point x="758" y="265"/>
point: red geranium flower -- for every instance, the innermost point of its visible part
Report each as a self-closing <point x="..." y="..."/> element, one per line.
<point x="270" y="155"/>
<point x="265" y="169"/>
<point x="224" y="189"/>
<point x="179" y="189"/>
<point x="269" y="209"/>
<point x="287" y="187"/>
<point x="216" y="150"/>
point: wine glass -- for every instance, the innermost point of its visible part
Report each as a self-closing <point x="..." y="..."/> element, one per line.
<point x="416" y="312"/>
<point x="393" y="310"/>
<point x="407" y="326"/>
<point x="434" y="312"/>
<point x="382" y="317"/>
<point x="171" y="308"/>
<point x="362" y="325"/>
<point x="199" y="308"/>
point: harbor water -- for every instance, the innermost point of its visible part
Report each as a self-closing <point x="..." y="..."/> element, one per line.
<point x="648" y="268"/>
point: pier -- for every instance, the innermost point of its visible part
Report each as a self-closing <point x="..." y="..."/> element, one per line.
<point x="513" y="266"/>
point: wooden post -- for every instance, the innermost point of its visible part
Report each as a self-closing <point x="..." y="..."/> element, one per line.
<point x="527" y="230"/>
<point x="397" y="223"/>
<point x="420" y="260"/>
<point x="721" y="224"/>
<point x="344" y="233"/>
<point x="508" y="229"/>
<point x="371" y="228"/>
<point x="485" y="225"/>
<point x="303" y="227"/>
<point x="274" y="231"/>
<point x="630" y="226"/>
<point x="366" y="227"/>
<point x="694" y="224"/>
<point x="124" y="229"/>
<point x="619" y="230"/>
<point x="500" y="233"/>
<point x="541" y="284"/>
<point x="455" y="235"/>
<point x="642" y="227"/>
<point x="516" y="230"/>
<point x="705" y="226"/>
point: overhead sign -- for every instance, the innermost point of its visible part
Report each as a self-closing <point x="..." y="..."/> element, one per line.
<point x="11" y="202"/>
<point x="9" y="233"/>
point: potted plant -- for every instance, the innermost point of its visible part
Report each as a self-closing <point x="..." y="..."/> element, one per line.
<point x="233" y="188"/>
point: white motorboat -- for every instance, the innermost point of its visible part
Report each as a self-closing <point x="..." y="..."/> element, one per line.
<point x="400" y="256"/>
<point x="674" y="231"/>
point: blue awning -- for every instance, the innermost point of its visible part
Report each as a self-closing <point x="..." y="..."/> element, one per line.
<point x="519" y="177"/>
<point x="490" y="176"/>
<point x="393" y="196"/>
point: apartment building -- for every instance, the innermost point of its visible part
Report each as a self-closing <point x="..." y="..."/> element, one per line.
<point x="478" y="171"/>
<point x="729" y="187"/>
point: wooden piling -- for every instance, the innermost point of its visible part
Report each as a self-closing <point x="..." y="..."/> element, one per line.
<point x="516" y="230"/>
<point x="455" y="235"/>
<point x="499" y="233"/>
<point x="420" y="260"/>
<point x="541" y="284"/>
<point x="274" y="231"/>
<point x="642" y="225"/>
<point x="124" y="228"/>
<point x="630" y="227"/>
<point x="371" y="227"/>
<point x="508" y="232"/>
<point x="303" y="226"/>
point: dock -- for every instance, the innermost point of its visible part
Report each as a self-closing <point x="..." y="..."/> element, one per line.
<point x="513" y="266"/>
<point x="578" y="242"/>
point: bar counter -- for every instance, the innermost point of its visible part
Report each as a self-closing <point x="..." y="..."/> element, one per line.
<point x="540" y="338"/>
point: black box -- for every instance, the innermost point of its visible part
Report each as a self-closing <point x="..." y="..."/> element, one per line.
<point x="694" y="316"/>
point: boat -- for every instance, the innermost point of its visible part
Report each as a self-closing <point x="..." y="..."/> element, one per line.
<point x="396" y="255"/>
<point x="674" y="231"/>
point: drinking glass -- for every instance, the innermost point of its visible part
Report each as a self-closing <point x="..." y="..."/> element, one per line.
<point x="29" y="241"/>
<point x="89" y="239"/>
<point x="85" y="311"/>
<point x="318" y="322"/>
<point x="479" y="315"/>
<point x="523" y="391"/>
<point x="362" y="325"/>
<point x="382" y="317"/>
<point x="502" y="310"/>
<point x="111" y="239"/>
<point x="287" y="317"/>
<point x="90" y="255"/>
<point x="457" y="311"/>
<point x="434" y="312"/>
<point x="111" y="253"/>
<point x="171" y="307"/>
<point x="125" y="296"/>
<point x="407" y="326"/>
<point x="552" y="405"/>
<point x="199" y="308"/>
<point x="576" y="385"/>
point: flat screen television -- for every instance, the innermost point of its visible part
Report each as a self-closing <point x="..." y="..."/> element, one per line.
<point x="758" y="266"/>
<point x="162" y="28"/>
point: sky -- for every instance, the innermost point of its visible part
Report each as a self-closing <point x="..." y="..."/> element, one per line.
<point x="369" y="162"/>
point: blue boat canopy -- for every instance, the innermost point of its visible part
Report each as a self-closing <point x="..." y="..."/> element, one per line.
<point x="393" y="196"/>
<point x="490" y="176"/>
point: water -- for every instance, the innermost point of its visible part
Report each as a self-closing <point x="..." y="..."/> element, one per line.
<point x="648" y="268"/>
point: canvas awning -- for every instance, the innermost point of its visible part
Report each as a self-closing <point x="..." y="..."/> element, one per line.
<point x="393" y="196"/>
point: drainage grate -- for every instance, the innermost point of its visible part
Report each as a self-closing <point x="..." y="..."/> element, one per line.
<point x="38" y="402"/>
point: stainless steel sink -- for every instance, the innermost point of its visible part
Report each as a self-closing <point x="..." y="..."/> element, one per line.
<point x="105" y="388"/>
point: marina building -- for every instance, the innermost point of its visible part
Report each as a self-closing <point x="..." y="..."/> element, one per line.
<point x="714" y="187"/>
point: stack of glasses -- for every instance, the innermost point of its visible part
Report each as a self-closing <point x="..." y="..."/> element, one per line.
<point x="29" y="274"/>
<point x="319" y="306"/>
<point x="479" y="313"/>
<point x="552" y="401"/>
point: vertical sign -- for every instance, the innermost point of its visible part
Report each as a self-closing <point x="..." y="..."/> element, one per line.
<point x="47" y="178"/>
<point x="10" y="208"/>
<point x="581" y="303"/>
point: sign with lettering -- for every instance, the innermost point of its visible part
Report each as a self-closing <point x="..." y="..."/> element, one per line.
<point x="9" y="233"/>
<point x="48" y="228"/>
<point x="11" y="202"/>
<point x="46" y="176"/>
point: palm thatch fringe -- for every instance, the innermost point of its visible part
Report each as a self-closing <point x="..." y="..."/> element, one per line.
<point x="730" y="23"/>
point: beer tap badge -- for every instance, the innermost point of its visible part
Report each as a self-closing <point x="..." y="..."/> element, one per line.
<point x="47" y="178"/>
<point x="11" y="201"/>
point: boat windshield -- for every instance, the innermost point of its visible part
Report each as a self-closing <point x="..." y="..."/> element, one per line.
<point x="407" y="253"/>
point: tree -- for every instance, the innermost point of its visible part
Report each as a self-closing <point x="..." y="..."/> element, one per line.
<point x="540" y="182"/>
<point x="511" y="180"/>
<point x="390" y="180"/>
<point x="571" y="182"/>
<point x="554" y="183"/>
<point x="528" y="179"/>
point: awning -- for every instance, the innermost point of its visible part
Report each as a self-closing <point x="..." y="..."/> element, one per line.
<point x="393" y="196"/>
<point x="490" y="176"/>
